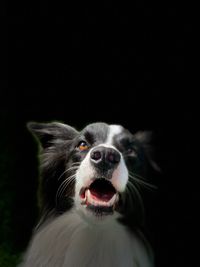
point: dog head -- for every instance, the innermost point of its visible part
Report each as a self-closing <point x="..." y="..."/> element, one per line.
<point x="96" y="170"/>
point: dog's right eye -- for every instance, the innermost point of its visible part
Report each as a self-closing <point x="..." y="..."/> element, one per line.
<point x="83" y="146"/>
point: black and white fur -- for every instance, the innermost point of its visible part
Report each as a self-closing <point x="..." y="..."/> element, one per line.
<point x="72" y="232"/>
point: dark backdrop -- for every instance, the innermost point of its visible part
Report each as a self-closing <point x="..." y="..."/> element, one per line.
<point x="117" y="63"/>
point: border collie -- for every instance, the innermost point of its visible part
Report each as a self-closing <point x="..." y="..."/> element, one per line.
<point x="91" y="207"/>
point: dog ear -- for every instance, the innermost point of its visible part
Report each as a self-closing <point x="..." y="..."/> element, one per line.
<point x="145" y="139"/>
<point x="49" y="133"/>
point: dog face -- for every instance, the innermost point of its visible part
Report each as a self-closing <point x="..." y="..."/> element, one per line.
<point x="95" y="170"/>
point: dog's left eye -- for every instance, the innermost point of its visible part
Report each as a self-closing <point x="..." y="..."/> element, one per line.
<point x="129" y="150"/>
<point x="83" y="146"/>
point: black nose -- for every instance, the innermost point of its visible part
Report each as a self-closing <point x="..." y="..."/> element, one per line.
<point x="105" y="157"/>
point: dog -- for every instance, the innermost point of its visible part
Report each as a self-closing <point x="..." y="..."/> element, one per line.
<point x="92" y="211"/>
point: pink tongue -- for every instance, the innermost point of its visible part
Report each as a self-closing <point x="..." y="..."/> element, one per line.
<point x="101" y="196"/>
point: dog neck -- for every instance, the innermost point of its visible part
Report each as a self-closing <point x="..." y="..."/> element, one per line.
<point x="70" y="240"/>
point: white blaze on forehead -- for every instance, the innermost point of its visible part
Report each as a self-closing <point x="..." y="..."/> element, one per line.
<point x="113" y="130"/>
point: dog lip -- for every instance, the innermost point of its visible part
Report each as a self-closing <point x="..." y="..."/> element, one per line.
<point x="82" y="192"/>
<point x="84" y="188"/>
<point x="99" y="196"/>
<point x="101" y="202"/>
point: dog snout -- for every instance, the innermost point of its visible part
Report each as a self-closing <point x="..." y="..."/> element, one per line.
<point x="105" y="157"/>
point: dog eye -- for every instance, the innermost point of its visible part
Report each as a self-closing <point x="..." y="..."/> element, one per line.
<point x="83" y="146"/>
<point x="129" y="150"/>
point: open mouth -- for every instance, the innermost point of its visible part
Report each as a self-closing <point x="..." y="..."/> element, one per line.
<point x="101" y="196"/>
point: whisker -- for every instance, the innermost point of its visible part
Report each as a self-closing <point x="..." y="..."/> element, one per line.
<point x="67" y="182"/>
<point x="136" y="192"/>
<point x="70" y="169"/>
<point x="129" y="196"/>
<point x="63" y="186"/>
<point x="142" y="182"/>
<point x="138" y="175"/>
<point x="76" y="163"/>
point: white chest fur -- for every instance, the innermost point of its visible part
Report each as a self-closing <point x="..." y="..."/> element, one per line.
<point x="69" y="241"/>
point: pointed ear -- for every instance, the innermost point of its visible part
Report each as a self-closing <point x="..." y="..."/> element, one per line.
<point x="145" y="139"/>
<point x="48" y="133"/>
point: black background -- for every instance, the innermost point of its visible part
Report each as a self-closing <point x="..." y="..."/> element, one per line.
<point x="118" y="63"/>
